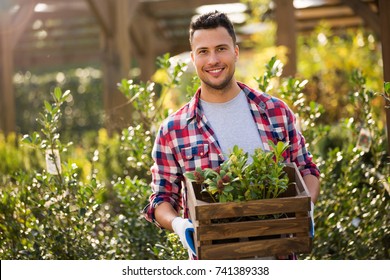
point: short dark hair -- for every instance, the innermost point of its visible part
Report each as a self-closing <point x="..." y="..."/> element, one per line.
<point x="212" y="20"/>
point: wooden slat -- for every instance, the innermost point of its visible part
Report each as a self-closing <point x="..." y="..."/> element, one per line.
<point x="309" y="25"/>
<point x="58" y="42"/>
<point x="255" y="207"/>
<point x="66" y="15"/>
<point x="323" y="12"/>
<point x="59" y="46"/>
<point x="300" y="183"/>
<point x="166" y="8"/>
<point x="191" y="199"/>
<point x="63" y="27"/>
<point x="57" y="61"/>
<point x="259" y="248"/>
<point x="364" y="11"/>
<point x="254" y="228"/>
<point x="252" y="208"/>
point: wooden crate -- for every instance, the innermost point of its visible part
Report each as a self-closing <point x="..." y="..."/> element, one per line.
<point x="224" y="231"/>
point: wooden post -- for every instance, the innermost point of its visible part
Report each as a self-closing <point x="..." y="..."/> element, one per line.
<point x="144" y="44"/>
<point x="7" y="102"/>
<point x="114" y="18"/>
<point x="384" y="11"/>
<point x="286" y="33"/>
<point x="116" y="66"/>
<point x="11" y="28"/>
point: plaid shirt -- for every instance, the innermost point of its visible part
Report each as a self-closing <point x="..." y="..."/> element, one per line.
<point x="186" y="141"/>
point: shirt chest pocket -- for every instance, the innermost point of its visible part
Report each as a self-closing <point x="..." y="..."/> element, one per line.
<point x="195" y="156"/>
<point x="279" y="134"/>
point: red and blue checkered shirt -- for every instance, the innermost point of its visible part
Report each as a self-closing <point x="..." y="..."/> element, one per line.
<point x="185" y="141"/>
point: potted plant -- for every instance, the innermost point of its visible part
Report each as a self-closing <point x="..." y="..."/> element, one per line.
<point x="249" y="209"/>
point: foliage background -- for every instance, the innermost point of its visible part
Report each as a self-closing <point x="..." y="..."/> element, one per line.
<point x="93" y="210"/>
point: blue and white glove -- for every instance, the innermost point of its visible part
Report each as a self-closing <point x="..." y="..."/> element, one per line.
<point x="185" y="230"/>
<point x="312" y="219"/>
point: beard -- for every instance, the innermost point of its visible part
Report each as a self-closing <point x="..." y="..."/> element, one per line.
<point x="224" y="84"/>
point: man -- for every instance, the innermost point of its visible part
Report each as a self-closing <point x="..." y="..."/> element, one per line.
<point x="223" y="113"/>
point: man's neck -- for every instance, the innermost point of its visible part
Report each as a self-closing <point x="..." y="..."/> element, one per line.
<point x="212" y="95"/>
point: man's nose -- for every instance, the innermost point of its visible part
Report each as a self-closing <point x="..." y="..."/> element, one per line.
<point x="214" y="58"/>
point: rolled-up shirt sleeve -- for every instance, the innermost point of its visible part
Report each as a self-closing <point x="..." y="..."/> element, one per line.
<point x="166" y="177"/>
<point x="298" y="151"/>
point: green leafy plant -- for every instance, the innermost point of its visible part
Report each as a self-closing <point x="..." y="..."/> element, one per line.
<point x="386" y="94"/>
<point x="106" y="179"/>
<point x="50" y="215"/>
<point x="236" y="179"/>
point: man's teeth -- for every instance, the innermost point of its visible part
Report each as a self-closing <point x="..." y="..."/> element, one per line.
<point x="215" y="71"/>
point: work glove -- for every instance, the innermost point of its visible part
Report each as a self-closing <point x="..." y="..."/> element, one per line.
<point x="312" y="219"/>
<point x="185" y="230"/>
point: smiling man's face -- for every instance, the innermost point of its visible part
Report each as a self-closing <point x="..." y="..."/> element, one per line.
<point x="214" y="55"/>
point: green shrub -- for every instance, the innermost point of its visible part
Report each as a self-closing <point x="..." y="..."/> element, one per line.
<point x="92" y="208"/>
<point x="83" y="110"/>
<point x="89" y="206"/>
<point x="351" y="215"/>
<point x="49" y="215"/>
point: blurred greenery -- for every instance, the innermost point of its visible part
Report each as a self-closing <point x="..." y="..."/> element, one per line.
<point x="351" y="215"/>
<point x="92" y="210"/>
<point x="83" y="110"/>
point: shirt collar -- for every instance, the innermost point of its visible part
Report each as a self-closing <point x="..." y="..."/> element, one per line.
<point x="261" y="99"/>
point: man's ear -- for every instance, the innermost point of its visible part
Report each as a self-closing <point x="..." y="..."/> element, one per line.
<point x="192" y="56"/>
<point x="237" y="52"/>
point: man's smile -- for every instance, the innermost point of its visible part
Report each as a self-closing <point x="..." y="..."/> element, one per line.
<point x="215" y="71"/>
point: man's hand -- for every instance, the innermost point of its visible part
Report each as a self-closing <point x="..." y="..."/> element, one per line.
<point x="312" y="219"/>
<point x="185" y="230"/>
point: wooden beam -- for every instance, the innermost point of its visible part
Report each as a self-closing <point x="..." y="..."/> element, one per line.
<point x="142" y="34"/>
<point x="384" y="11"/>
<point x="21" y="20"/>
<point x="116" y="64"/>
<point x="286" y="33"/>
<point x="43" y="62"/>
<point x="309" y="25"/>
<point x="53" y="48"/>
<point x="60" y="40"/>
<point x="101" y="11"/>
<point x="7" y="100"/>
<point x="363" y="10"/>
<point x="11" y="28"/>
<point x="66" y="16"/>
<point x="323" y="12"/>
<point x="160" y="8"/>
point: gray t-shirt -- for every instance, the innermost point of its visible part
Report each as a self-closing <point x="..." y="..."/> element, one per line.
<point x="233" y="124"/>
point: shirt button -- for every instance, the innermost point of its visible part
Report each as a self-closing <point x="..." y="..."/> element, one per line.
<point x="201" y="154"/>
<point x="188" y="157"/>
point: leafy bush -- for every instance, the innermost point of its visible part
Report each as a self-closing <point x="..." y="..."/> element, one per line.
<point x="352" y="213"/>
<point x="352" y="220"/>
<point x="328" y="59"/>
<point x="86" y="211"/>
<point x="91" y="209"/>
<point x="83" y="110"/>
<point x="49" y="215"/>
